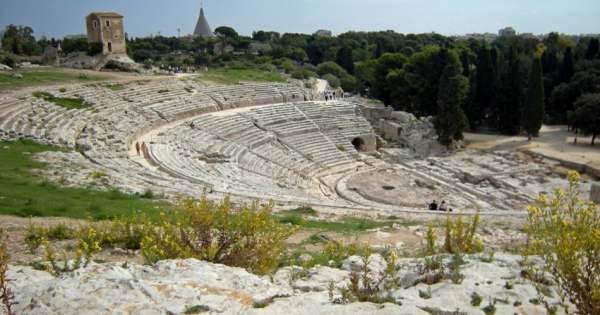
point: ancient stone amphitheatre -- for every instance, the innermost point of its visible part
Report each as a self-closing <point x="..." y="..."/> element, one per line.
<point x="264" y="141"/>
<point x="359" y="173"/>
<point x="279" y="142"/>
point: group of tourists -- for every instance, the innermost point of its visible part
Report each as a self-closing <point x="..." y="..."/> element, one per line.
<point x="141" y="149"/>
<point x="441" y="207"/>
<point x="333" y="95"/>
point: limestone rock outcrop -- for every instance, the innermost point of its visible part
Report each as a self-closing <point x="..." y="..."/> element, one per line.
<point x="192" y="286"/>
<point x="168" y="287"/>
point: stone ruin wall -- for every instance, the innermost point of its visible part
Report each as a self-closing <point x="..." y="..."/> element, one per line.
<point x="403" y="129"/>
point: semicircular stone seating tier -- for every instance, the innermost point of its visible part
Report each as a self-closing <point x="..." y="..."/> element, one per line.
<point x="259" y="140"/>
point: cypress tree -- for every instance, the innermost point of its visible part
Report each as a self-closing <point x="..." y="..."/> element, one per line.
<point x="344" y="59"/>
<point x="450" y="121"/>
<point x="510" y="96"/>
<point x="485" y="88"/>
<point x="533" y="113"/>
<point x="567" y="69"/>
<point x="593" y="49"/>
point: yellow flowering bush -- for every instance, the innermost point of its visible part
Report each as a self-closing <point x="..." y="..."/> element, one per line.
<point x="564" y="230"/>
<point x="6" y="294"/>
<point x="247" y="236"/>
<point x="88" y="246"/>
<point x="431" y="238"/>
<point x="460" y="236"/>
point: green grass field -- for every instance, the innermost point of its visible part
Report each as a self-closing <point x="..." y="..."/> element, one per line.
<point x="301" y="218"/>
<point x="235" y="76"/>
<point x="66" y="102"/>
<point x="44" y="76"/>
<point x="22" y="193"/>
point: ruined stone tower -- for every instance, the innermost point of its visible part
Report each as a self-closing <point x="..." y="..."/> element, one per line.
<point x="106" y="28"/>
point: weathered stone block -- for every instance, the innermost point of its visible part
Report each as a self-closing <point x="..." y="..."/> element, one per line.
<point x="595" y="193"/>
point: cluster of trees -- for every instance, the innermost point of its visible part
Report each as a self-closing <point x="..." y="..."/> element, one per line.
<point x="19" y="40"/>
<point x="511" y="85"/>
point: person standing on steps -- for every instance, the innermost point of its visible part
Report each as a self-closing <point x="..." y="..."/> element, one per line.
<point x="137" y="148"/>
<point x="144" y="149"/>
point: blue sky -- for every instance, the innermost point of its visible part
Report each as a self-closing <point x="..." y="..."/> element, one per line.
<point x="56" y="18"/>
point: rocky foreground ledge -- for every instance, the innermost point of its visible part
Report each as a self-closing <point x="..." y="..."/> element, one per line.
<point x="192" y="286"/>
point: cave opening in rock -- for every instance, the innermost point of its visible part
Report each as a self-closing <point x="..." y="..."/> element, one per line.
<point x="358" y="144"/>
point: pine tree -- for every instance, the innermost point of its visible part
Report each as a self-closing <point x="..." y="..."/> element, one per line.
<point x="533" y="113"/>
<point x="451" y="121"/>
<point x="510" y="96"/>
<point x="567" y="69"/>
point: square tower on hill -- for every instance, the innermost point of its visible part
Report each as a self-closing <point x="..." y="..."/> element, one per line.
<point x="106" y="28"/>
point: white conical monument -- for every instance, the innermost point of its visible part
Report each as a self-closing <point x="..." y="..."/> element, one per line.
<point x="202" y="27"/>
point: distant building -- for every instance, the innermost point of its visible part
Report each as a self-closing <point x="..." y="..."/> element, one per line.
<point x="507" y="32"/>
<point x="106" y="28"/>
<point x="202" y="27"/>
<point x="324" y="33"/>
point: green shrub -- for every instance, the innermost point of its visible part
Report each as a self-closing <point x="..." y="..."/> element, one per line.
<point x="8" y="60"/>
<point x="60" y="232"/>
<point x="248" y="236"/>
<point x="97" y="174"/>
<point x="330" y="67"/>
<point x="476" y="299"/>
<point x="490" y="309"/>
<point x="333" y="81"/>
<point x="127" y="232"/>
<point x="94" y="49"/>
<point x="288" y="66"/>
<point x="349" y="83"/>
<point x="148" y="194"/>
<point x="565" y="231"/>
<point x="298" y="74"/>
<point x="33" y="237"/>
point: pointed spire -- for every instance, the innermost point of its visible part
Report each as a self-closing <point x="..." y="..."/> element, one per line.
<point x="202" y="27"/>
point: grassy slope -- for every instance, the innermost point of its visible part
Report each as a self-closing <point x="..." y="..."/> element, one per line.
<point x="44" y="76"/>
<point x="301" y="218"/>
<point x="234" y="76"/>
<point x="24" y="194"/>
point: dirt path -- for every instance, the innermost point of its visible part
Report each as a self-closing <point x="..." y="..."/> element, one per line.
<point x="554" y="142"/>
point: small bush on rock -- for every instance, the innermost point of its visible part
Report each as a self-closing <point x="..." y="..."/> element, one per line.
<point x="34" y="237"/>
<point x="430" y="237"/>
<point x="476" y="299"/>
<point x="89" y="245"/>
<point x="365" y="289"/>
<point x="248" y="236"/>
<point x="6" y="294"/>
<point x="565" y="231"/>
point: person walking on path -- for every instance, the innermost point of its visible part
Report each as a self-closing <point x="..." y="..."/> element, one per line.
<point x="137" y="148"/>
